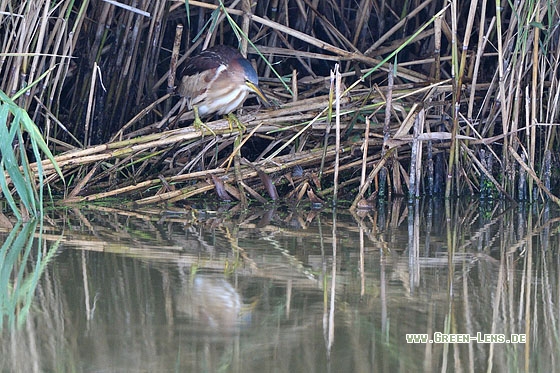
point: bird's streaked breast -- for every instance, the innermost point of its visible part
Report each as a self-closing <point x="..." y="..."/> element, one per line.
<point x="222" y="101"/>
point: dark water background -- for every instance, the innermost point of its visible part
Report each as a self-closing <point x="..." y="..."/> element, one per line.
<point x="281" y="289"/>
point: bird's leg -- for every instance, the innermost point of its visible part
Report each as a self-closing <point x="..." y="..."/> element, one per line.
<point x="233" y="119"/>
<point x="198" y="123"/>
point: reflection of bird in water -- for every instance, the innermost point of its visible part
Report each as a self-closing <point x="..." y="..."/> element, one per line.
<point x="211" y="301"/>
<point x="217" y="81"/>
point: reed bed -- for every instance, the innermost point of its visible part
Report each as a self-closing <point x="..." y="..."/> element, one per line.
<point x="372" y="99"/>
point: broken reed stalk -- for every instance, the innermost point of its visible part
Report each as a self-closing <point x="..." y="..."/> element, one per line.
<point x="174" y="58"/>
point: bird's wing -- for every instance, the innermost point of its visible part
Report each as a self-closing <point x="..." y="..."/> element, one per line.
<point x="209" y="59"/>
<point x="194" y="86"/>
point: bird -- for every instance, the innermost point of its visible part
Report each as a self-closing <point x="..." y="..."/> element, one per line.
<point x="217" y="81"/>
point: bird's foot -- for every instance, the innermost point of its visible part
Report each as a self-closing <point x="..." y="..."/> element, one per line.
<point x="233" y="119"/>
<point x="198" y="124"/>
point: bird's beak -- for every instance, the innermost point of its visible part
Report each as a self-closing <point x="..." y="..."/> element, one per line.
<point x="257" y="90"/>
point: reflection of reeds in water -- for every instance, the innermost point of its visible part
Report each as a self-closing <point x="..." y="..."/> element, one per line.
<point x="466" y="106"/>
<point x="171" y="292"/>
<point x="17" y="286"/>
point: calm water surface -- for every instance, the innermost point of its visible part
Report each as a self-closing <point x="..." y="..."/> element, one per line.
<point x="280" y="290"/>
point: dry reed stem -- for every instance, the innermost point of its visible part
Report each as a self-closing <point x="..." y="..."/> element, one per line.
<point x="535" y="177"/>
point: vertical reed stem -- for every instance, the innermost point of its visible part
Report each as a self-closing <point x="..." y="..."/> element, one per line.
<point x="453" y="159"/>
<point x="383" y="188"/>
<point x="338" y="90"/>
<point x="365" y="153"/>
<point x="534" y="98"/>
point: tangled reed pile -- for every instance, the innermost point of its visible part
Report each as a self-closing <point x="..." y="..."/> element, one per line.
<point x="439" y="98"/>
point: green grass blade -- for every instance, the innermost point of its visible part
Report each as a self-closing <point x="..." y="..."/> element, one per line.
<point x="10" y="163"/>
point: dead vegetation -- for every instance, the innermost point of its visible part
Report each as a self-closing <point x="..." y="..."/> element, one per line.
<point x="440" y="98"/>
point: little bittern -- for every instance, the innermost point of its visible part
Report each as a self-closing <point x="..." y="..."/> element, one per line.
<point x="217" y="81"/>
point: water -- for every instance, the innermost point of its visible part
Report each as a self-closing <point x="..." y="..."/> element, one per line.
<point x="261" y="291"/>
